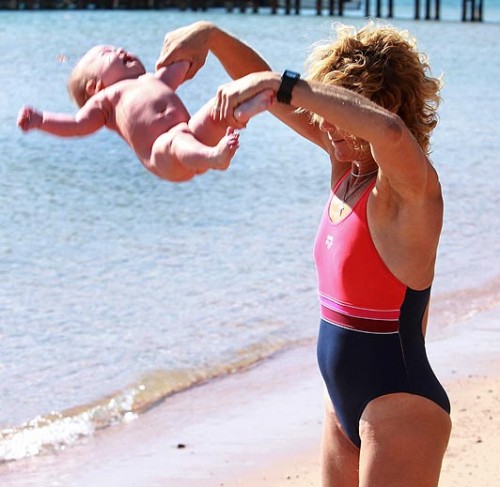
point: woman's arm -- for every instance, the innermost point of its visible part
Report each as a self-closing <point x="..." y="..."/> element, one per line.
<point x="403" y="164"/>
<point x="192" y="43"/>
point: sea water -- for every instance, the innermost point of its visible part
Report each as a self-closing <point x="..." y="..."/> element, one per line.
<point x="117" y="289"/>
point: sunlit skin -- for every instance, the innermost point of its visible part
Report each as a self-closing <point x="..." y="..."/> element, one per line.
<point x="403" y="436"/>
<point x="144" y="109"/>
<point x="344" y="150"/>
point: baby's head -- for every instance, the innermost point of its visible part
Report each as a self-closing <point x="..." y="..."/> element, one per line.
<point x="99" y="68"/>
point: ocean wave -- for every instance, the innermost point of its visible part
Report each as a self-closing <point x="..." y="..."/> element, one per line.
<point x="56" y="431"/>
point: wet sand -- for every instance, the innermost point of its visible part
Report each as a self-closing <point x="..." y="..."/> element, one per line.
<point x="262" y="427"/>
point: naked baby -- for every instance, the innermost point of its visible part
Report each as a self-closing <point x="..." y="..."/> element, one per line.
<point x="112" y="89"/>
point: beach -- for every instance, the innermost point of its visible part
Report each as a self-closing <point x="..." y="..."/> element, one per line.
<point x="164" y="335"/>
<point x="471" y="458"/>
<point x="262" y="426"/>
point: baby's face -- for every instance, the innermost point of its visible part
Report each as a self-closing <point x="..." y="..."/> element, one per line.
<point x="112" y="64"/>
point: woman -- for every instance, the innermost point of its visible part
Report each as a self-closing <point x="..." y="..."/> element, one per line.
<point x="370" y="103"/>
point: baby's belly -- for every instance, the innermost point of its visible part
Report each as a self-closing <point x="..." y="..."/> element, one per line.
<point x="144" y="126"/>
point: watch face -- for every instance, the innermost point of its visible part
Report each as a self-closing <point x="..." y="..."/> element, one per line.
<point x="291" y="74"/>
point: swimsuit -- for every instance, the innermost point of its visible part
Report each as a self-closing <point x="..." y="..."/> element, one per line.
<point x="370" y="339"/>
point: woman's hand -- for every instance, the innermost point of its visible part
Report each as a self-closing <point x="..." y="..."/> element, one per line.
<point x="231" y="95"/>
<point x="190" y="44"/>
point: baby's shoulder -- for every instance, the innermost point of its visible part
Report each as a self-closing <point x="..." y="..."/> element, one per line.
<point x="148" y="77"/>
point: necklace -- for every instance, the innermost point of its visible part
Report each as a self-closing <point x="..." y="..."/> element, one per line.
<point x="347" y="194"/>
<point x="364" y="175"/>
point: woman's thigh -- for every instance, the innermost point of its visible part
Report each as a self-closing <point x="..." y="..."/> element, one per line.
<point x="403" y="441"/>
<point x="339" y="456"/>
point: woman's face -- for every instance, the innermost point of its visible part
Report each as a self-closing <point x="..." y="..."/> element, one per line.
<point x="342" y="143"/>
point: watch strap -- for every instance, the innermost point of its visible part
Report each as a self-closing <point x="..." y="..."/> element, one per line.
<point x="288" y="81"/>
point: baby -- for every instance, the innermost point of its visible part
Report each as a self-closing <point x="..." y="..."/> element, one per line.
<point x="112" y="89"/>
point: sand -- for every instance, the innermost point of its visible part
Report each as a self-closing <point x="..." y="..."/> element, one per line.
<point x="262" y="427"/>
<point x="472" y="459"/>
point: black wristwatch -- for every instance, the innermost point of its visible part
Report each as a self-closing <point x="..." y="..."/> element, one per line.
<point x="288" y="81"/>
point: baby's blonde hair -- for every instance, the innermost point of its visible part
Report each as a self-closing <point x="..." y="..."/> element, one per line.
<point x="383" y="64"/>
<point x="77" y="84"/>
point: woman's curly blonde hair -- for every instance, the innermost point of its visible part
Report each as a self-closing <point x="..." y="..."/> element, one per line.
<point x="383" y="64"/>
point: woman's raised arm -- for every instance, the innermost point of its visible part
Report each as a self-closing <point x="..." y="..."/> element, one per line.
<point x="193" y="42"/>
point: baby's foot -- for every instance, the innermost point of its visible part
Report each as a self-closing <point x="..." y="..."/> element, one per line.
<point x="224" y="151"/>
<point x="259" y="103"/>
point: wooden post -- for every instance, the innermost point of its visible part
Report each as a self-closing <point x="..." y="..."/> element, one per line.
<point x="437" y="9"/>
<point x="417" y="9"/>
<point x="318" y="7"/>
<point x="367" y="8"/>
<point x="297" y="7"/>
<point x="274" y="7"/>
<point x="427" y="9"/>
<point x="378" y="13"/>
<point x="475" y="13"/>
<point x="287" y="7"/>
<point x="390" y="13"/>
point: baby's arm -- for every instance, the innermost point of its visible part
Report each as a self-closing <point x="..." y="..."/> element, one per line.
<point x="175" y="74"/>
<point x="88" y="119"/>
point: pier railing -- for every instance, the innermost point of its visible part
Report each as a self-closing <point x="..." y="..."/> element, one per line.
<point x="472" y="10"/>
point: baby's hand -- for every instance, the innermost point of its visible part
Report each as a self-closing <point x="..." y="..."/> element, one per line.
<point x="29" y="118"/>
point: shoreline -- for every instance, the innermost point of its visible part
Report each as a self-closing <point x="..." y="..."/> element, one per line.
<point x="262" y="426"/>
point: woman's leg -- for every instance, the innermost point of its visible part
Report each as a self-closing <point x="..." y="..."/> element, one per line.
<point x="403" y="441"/>
<point x="339" y="456"/>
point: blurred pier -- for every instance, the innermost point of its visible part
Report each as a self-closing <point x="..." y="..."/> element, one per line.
<point x="472" y="10"/>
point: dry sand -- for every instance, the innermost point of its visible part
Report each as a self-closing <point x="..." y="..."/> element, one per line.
<point x="472" y="459"/>
<point x="262" y="427"/>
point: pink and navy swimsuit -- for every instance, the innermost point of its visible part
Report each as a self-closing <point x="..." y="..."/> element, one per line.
<point x="370" y="339"/>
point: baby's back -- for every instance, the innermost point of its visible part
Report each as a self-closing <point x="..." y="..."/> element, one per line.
<point x="145" y="108"/>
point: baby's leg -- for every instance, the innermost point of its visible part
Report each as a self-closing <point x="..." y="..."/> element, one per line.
<point x="205" y="128"/>
<point x="259" y="103"/>
<point x="209" y="131"/>
<point x="177" y="155"/>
